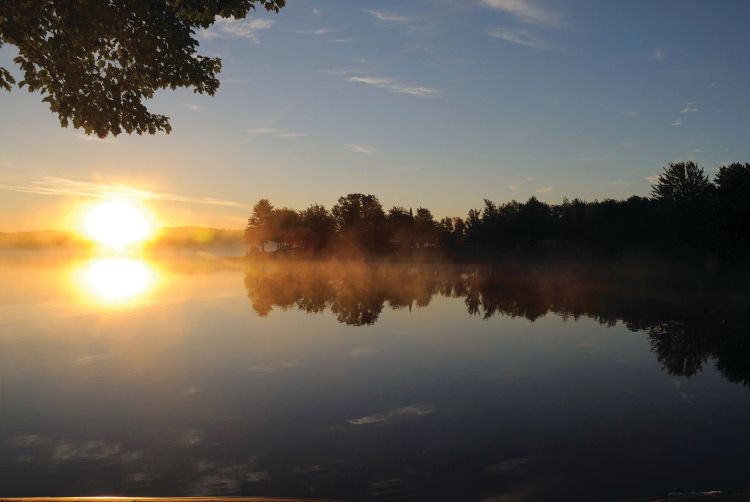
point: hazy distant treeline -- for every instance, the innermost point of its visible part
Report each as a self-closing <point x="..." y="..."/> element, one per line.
<point x="197" y="238"/>
<point x="168" y="238"/>
<point x="40" y="240"/>
<point x="685" y="210"/>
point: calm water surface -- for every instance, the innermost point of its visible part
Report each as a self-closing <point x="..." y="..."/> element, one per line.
<point x="183" y="377"/>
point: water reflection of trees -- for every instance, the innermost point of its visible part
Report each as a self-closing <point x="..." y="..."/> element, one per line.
<point x="690" y="320"/>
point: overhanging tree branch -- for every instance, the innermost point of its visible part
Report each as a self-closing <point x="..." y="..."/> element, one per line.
<point x="97" y="61"/>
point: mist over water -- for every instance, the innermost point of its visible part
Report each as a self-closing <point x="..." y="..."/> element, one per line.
<point x="370" y="381"/>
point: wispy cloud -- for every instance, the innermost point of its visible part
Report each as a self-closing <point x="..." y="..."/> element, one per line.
<point x="238" y="28"/>
<point x="343" y="40"/>
<point x="51" y="185"/>
<point x="543" y="190"/>
<point x="317" y="12"/>
<point x="339" y="72"/>
<point x="389" y="17"/>
<point x="194" y="108"/>
<point x="689" y="108"/>
<point x="319" y="31"/>
<point x="275" y="133"/>
<point x="652" y="179"/>
<point x="364" y="149"/>
<point x="394" y="415"/>
<point x="395" y="87"/>
<point x="229" y="479"/>
<point x="44" y="450"/>
<point x="189" y="438"/>
<point x="518" y="184"/>
<point x="527" y="11"/>
<point x="659" y="55"/>
<point x="27" y="441"/>
<point x="94" y="450"/>
<point x="618" y="183"/>
<point x="92" y="358"/>
<point x="521" y="37"/>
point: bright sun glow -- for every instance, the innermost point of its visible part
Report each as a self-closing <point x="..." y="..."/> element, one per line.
<point x="117" y="280"/>
<point x="117" y="224"/>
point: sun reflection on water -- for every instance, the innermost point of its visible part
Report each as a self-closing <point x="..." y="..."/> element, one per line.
<point x="116" y="281"/>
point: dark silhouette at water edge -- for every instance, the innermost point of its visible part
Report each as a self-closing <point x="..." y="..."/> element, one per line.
<point x="687" y="216"/>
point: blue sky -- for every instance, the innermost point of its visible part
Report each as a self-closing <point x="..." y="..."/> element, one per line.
<point x="424" y="102"/>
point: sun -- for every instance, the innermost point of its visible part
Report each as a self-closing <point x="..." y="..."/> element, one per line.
<point x="117" y="224"/>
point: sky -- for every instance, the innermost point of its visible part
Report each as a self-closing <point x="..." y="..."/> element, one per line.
<point x="434" y="103"/>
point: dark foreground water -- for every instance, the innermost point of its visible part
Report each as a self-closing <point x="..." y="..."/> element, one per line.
<point x="128" y="377"/>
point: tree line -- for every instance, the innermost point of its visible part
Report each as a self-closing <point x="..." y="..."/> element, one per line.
<point x="685" y="210"/>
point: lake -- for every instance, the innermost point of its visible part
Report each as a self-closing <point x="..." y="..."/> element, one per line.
<point x="515" y="382"/>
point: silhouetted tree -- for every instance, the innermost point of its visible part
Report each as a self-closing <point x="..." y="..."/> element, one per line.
<point x="284" y="228"/>
<point x="360" y="222"/>
<point x="534" y="221"/>
<point x="96" y="61"/>
<point x="682" y="182"/>
<point x="257" y="232"/>
<point x="683" y="192"/>
<point x="733" y="209"/>
<point x="317" y="228"/>
<point x="575" y="220"/>
<point x="424" y="228"/>
<point x="734" y="180"/>
<point x="450" y="233"/>
<point x="473" y="231"/>
<point x="400" y="223"/>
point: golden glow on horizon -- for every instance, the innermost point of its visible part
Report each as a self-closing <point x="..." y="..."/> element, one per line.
<point x="115" y="281"/>
<point x="117" y="224"/>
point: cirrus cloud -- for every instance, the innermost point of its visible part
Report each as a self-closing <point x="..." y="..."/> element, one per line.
<point x="396" y="87"/>
<point x="527" y="12"/>
<point x="520" y="37"/>
<point x="275" y="133"/>
<point x="51" y="185"/>
<point x="363" y="149"/>
<point x="237" y="28"/>
<point x="389" y="17"/>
